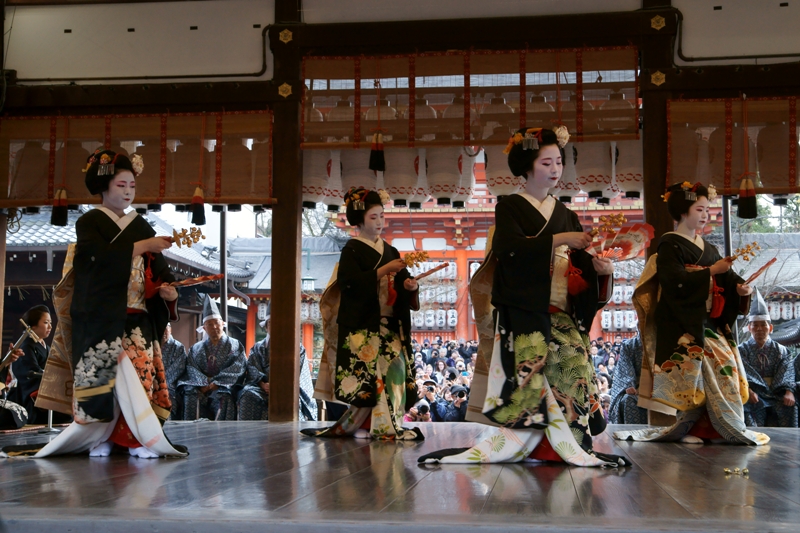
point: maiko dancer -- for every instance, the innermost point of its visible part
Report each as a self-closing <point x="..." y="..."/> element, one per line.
<point x="370" y="302"/>
<point x="545" y="290"/>
<point x="121" y="304"/>
<point x="691" y="367"/>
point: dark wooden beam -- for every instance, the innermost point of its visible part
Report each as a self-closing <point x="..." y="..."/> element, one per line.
<point x="722" y="81"/>
<point x="286" y="228"/>
<point x="654" y="107"/>
<point x="555" y="31"/>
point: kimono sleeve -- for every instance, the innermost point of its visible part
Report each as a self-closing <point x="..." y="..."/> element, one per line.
<point x="234" y="368"/>
<point x="258" y="365"/>
<point x="194" y="375"/>
<point x="688" y="288"/>
<point x="784" y="372"/>
<point x="510" y="240"/>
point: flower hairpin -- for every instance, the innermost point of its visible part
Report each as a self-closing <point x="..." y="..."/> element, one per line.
<point x="137" y="163"/>
<point x="385" y="198"/>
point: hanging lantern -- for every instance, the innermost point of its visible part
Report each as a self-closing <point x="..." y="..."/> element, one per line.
<point x="630" y="167"/>
<point x="456" y="110"/>
<point x="452" y="318"/>
<point x="773" y="152"/>
<point x="625" y="120"/>
<point x="333" y="196"/>
<point x="797" y="309"/>
<point x="473" y="267"/>
<point x="774" y="310"/>
<point x="567" y="187"/>
<point x="315" y="313"/>
<point x="466" y="183"/>
<point x="422" y="191"/>
<point x="499" y="179"/>
<point x="444" y="174"/>
<point x="343" y="112"/>
<point x="536" y="106"/>
<point x="716" y="146"/>
<point x="786" y="310"/>
<point x="593" y="167"/>
<point x="451" y="271"/>
<point x="452" y="295"/>
<point x="441" y="295"/>
<point x="605" y="320"/>
<point x="628" y="293"/>
<point x="419" y="319"/>
<point x="305" y="312"/>
<point x="619" y="320"/>
<point x="355" y="170"/>
<point x="496" y="106"/>
<point x="630" y="320"/>
<point x="617" y="295"/>
<point x="400" y="176"/>
<point x="315" y="177"/>
<point x="441" y="318"/>
<point x="430" y="318"/>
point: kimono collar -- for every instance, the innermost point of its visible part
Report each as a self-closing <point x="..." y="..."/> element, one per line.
<point x="122" y="221"/>
<point x="545" y="207"/>
<point x="377" y="245"/>
<point x="697" y="241"/>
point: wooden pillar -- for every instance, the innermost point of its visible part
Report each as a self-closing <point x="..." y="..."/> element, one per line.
<point x="3" y="233"/>
<point x="308" y="340"/>
<point x="654" y="106"/>
<point x="462" y="305"/>
<point x="286" y="233"/>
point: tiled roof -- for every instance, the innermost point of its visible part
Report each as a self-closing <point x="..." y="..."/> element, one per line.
<point x="35" y="231"/>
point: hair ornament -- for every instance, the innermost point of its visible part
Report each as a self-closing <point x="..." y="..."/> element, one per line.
<point x="137" y="163"/>
<point x="712" y="193"/>
<point x="529" y="141"/>
<point x="385" y="198"/>
<point x="562" y="134"/>
<point x="355" y="196"/>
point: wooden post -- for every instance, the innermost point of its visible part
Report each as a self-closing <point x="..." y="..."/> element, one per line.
<point x="286" y="235"/>
<point x="462" y="305"/>
<point x="252" y="325"/>
<point x="3" y="233"/>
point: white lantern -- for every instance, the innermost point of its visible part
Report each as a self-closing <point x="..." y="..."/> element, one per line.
<point x="786" y="310"/>
<point x="619" y="320"/>
<point x="355" y="170"/>
<point x="499" y="179"/>
<point x="605" y="320"/>
<point x="774" y="310"/>
<point x="567" y="187"/>
<point x="333" y="196"/>
<point x="400" y="177"/>
<point x="262" y="311"/>
<point x="451" y="270"/>
<point x="441" y="318"/>
<point x="797" y="309"/>
<point x="617" y="295"/>
<point x="593" y="167"/>
<point x="452" y="295"/>
<point x="466" y="184"/>
<point x="452" y="318"/>
<point x="623" y="122"/>
<point x="473" y="267"/>
<point x="630" y="319"/>
<point x="315" y="314"/>
<point x="773" y="153"/>
<point x="628" y="293"/>
<point x="630" y="167"/>
<point x="315" y="176"/>
<point x="422" y="191"/>
<point x="444" y="175"/>
<point x="305" y="312"/>
<point x="441" y="295"/>
<point x="716" y="146"/>
<point x="419" y="319"/>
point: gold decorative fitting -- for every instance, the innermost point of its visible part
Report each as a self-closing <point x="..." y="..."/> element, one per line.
<point x="658" y="78"/>
<point x="285" y="90"/>
<point x="658" y="22"/>
<point x="286" y="36"/>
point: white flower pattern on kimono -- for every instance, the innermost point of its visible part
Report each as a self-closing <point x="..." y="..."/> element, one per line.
<point x="349" y="385"/>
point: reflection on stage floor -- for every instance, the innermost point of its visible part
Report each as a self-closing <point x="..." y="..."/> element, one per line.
<point x="254" y="476"/>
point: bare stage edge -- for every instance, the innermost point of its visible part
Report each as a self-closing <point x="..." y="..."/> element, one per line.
<point x="261" y="476"/>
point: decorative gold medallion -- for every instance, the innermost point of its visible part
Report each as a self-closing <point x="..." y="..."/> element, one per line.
<point x="285" y="90"/>
<point x="286" y="35"/>
<point x="658" y="78"/>
<point x="657" y="22"/>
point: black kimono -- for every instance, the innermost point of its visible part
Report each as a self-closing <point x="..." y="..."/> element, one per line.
<point x="28" y="370"/>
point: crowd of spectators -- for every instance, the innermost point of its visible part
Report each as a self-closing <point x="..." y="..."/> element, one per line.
<point x="605" y="355"/>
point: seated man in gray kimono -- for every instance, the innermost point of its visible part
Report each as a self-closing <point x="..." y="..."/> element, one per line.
<point x="770" y="373"/>
<point x="215" y="370"/>
<point x="173" y="353"/>
<point x="625" y="388"/>
<point x="253" y="401"/>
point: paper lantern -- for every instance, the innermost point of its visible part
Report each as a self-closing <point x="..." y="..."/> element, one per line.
<point x="538" y="104"/>
<point x="430" y="319"/>
<point x="619" y="320"/>
<point x="605" y="320"/>
<point x="451" y="271"/>
<point x="593" y="167"/>
<point x="333" y="196"/>
<point x="473" y="267"/>
<point x="630" y="167"/>
<point x="774" y="310"/>
<point x="422" y="190"/>
<point x="305" y="312"/>
<point x="355" y="170"/>
<point x="382" y="109"/>
<point x="452" y="295"/>
<point x="617" y="295"/>
<point x="315" y="313"/>
<point x="499" y="179"/>
<point x="797" y="309"/>
<point x="567" y="187"/>
<point x="422" y="111"/>
<point x="456" y="110"/>
<point x="400" y="176"/>
<point x="419" y="319"/>
<point x="628" y="293"/>
<point x="441" y="318"/>
<point x="630" y="320"/>
<point x="625" y="120"/>
<point x="716" y="146"/>
<point x="444" y="174"/>
<point x="496" y="106"/>
<point x="441" y="295"/>
<point x="466" y="184"/>
<point x="773" y="157"/>
<point x="786" y="310"/>
<point x="315" y="176"/>
<point x="452" y="318"/>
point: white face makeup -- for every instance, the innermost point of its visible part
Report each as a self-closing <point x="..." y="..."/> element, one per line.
<point x="547" y="168"/>
<point x="697" y="217"/>
<point x="373" y="222"/>
<point x="121" y="192"/>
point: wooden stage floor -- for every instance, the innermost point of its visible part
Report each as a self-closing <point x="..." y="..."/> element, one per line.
<point x="261" y="476"/>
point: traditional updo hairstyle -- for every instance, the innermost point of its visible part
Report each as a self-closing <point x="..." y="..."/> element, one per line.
<point x="521" y="156"/>
<point x="681" y="196"/>
<point x="33" y="315"/>
<point x="102" y="166"/>
<point x="357" y="202"/>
